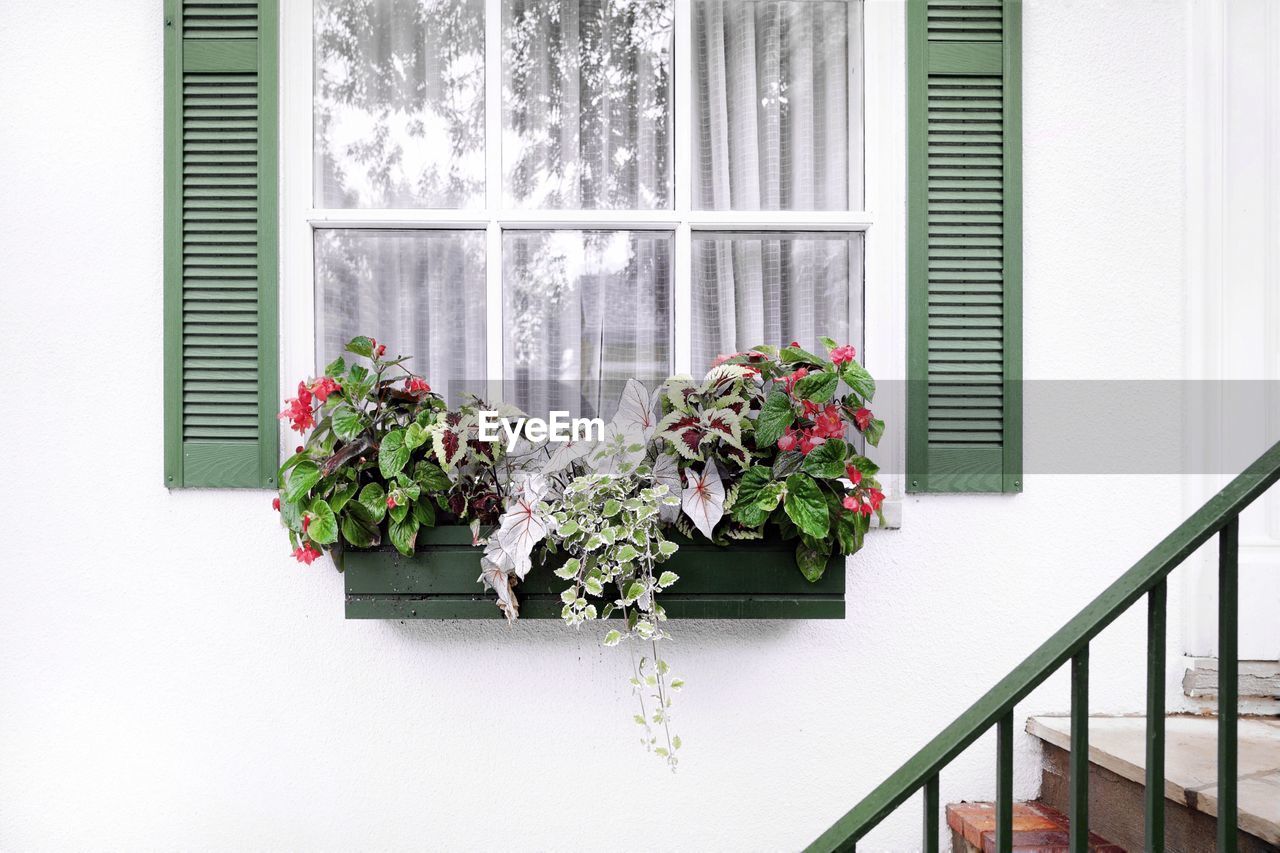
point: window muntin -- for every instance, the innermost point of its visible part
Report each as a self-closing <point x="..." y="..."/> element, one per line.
<point x="684" y="226"/>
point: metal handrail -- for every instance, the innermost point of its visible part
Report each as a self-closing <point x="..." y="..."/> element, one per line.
<point x="1220" y="515"/>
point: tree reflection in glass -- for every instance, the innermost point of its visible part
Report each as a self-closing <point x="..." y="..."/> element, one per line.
<point x="586" y="103"/>
<point x="399" y="103"/>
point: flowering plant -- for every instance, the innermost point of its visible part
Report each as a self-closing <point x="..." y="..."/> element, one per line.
<point x="361" y="476"/>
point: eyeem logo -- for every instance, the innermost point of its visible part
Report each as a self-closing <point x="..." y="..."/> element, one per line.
<point x="560" y="428"/>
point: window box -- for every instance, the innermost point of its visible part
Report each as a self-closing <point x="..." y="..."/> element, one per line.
<point x="751" y="580"/>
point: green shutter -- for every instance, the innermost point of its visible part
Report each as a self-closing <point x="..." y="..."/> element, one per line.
<point x="964" y="263"/>
<point x="220" y="371"/>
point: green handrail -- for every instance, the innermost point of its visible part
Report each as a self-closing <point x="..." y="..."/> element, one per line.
<point x="1147" y="577"/>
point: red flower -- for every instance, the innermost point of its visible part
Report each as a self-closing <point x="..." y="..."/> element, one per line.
<point x="382" y="349"/>
<point x="862" y="418"/>
<point x="306" y="522"/>
<point x="809" y="442"/>
<point x="854" y="475"/>
<point x="298" y="410"/>
<point x="829" y="424"/>
<point x="840" y="355"/>
<point x="789" y="381"/>
<point x="417" y="385"/>
<point x="795" y="344"/>
<point x="323" y="387"/>
<point x="306" y="554"/>
<point x="391" y="501"/>
<point x="876" y="497"/>
<point x="810" y="408"/>
<point x="275" y="503"/>
<point x="850" y="503"/>
<point x="788" y="440"/>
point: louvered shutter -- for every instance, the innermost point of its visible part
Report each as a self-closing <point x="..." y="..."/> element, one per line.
<point x="221" y="390"/>
<point x="964" y="265"/>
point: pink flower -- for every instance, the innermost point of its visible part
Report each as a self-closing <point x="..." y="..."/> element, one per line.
<point x="417" y="385"/>
<point x="862" y="418"/>
<point x="275" y="504"/>
<point x="854" y="475"/>
<point x="391" y="501"/>
<point x="306" y="554"/>
<point x="810" y="442"/>
<point x="789" y="381"/>
<point x="306" y="522"/>
<point x="850" y="503"/>
<point x="298" y="410"/>
<point x="840" y="355"/>
<point x="788" y="440"/>
<point x="323" y="387"/>
<point x="829" y="424"/>
<point x="876" y="497"/>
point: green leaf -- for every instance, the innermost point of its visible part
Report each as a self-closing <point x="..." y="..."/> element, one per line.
<point x="612" y="507"/>
<point x="431" y="477"/>
<point x="415" y="436"/>
<point x="666" y="547"/>
<point x="634" y="591"/>
<point x="612" y="639"/>
<point x="774" y="419"/>
<point x="667" y="579"/>
<point x="875" y="429"/>
<point x="626" y="553"/>
<point x="758" y="488"/>
<point x="857" y="378"/>
<point x="361" y="346"/>
<point x="347" y="422"/>
<point x="392" y="454"/>
<point x="863" y="464"/>
<point x="812" y="563"/>
<point x="398" y="512"/>
<point x="818" y="387"/>
<point x="359" y="534"/>
<point x="404" y="534"/>
<point x="796" y="355"/>
<point x="323" y="529"/>
<point x="305" y="475"/>
<point x="374" y="499"/>
<point x="827" y="343"/>
<point x="787" y="464"/>
<point x="805" y="505"/>
<point x="342" y="493"/>
<point x="850" y="528"/>
<point x="827" y="461"/>
<point x="425" y="512"/>
<point x="336" y="367"/>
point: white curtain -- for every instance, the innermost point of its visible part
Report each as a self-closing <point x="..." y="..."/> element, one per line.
<point x="584" y="311"/>
<point x="422" y="293"/>
<point x="772" y="104"/>
<point x="586" y="103"/>
<point x="751" y="289"/>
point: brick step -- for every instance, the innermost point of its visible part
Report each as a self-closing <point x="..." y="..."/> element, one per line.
<point x="1037" y="828"/>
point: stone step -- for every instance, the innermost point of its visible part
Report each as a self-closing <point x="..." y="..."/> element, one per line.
<point x="1117" y="779"/>
<point x="1037" y="828"/>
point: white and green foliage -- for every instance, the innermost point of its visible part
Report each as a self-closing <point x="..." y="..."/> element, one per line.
<point x="607" y="527"/>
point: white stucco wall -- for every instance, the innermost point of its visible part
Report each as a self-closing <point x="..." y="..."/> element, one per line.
<point x="169" y="678"/>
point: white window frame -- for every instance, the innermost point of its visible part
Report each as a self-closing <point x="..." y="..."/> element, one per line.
<point x="877" y="90"/>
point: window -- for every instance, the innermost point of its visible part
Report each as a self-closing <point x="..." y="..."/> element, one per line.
<point x="567" y="193"/>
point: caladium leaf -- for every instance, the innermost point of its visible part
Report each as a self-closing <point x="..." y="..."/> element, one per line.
<point x="496" y="577"/>
<point x="619" y="453"/>
<point x="666" y="471"/>
<point x="523" y="525"/>
<point x="564" y="453"/>
<point x="635" y="409"/>
<point x="703" y="498"/>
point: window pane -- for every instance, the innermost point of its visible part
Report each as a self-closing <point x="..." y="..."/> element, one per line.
<point x="584" y="311"/>
<point x="587" y="103"/>
<point x="751" y="289"/>
<point x="399" y="103"/>
<point x="419" y="292"/>
<point x="771" y="94"/>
